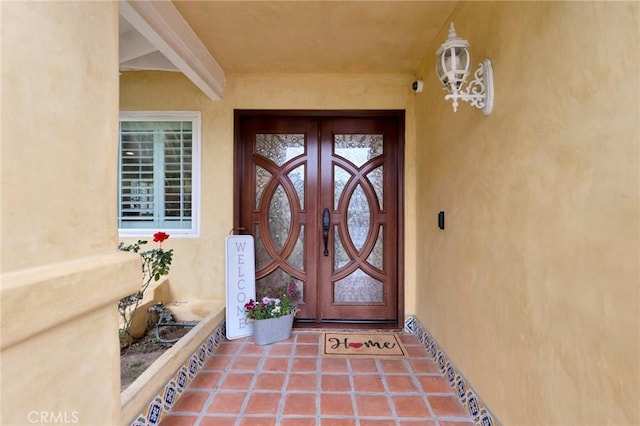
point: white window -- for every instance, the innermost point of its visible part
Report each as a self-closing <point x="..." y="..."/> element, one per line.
<point x="158" y="173"/>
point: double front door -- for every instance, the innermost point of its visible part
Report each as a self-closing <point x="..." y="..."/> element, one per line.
<point x="320" y="195"/>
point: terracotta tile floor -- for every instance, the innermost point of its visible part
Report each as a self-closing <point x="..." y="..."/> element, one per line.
<point x="290" y="383"/>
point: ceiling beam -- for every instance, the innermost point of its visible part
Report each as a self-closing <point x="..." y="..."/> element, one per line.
<point x="153" y="61"/>
<point x="134" y="45"/>
<point x="163" y="26"/>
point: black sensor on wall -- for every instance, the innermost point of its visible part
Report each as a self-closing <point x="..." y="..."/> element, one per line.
<point x="441" y="220"/>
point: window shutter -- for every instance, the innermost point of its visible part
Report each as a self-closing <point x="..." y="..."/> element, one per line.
<point x="137" y="196"/>
<point x="177" y="177"/>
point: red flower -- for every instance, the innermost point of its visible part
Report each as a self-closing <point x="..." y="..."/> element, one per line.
<point x="159" y="237"/>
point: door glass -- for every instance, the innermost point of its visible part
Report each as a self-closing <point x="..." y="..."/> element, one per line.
<point x="296" y="176"/>
<point x="376" y="179"/>
<point x="341" y="258"/>
<point x="279" y="197"/>
<point x="275" y="284"/>
<point x="296" y="258"/>
<point x="340" y="179"/>
<point x="279" y="217"/>
<point x="358" y="287"/>
<point x="262" y="256"/>
<point x="262" y="178"/>
<point x="279" y="148"/>
<point x="377" y="254"/>
<point x="358" y="217"/>
<point x="358" y="148"/>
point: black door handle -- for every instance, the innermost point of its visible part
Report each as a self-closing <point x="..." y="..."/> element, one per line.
<point x="326" y="219"/>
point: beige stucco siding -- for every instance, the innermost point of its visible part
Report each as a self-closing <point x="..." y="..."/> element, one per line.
<point x="59" y="88"/>
<point x="61" y="272"/>
<point x="533" y="288"/>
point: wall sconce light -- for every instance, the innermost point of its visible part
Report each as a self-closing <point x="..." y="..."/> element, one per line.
<point x="452" y="68"/>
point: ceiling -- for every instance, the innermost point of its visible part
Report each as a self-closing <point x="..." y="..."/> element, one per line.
<point x="289" y="36"/>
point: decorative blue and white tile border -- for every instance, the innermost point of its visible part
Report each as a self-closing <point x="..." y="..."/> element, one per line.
<point x="164" y="400"/>
<point x="461" y="387"/>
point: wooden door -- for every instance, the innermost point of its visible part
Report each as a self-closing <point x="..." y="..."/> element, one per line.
<point x="320" y="195"/>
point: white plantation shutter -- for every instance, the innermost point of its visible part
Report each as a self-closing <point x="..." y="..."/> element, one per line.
<point x="156" y="176"/>
<point x="177" y="177"/>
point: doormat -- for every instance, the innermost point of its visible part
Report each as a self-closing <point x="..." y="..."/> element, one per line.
<point x="362" y="345"/>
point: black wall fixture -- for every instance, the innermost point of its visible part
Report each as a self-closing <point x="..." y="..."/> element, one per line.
<point x="441" y="220"/>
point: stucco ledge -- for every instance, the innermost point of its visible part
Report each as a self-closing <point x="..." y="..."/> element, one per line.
<point x="40" y="298"/>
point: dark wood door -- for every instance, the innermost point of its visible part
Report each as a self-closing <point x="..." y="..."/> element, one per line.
<point x="320" y="195"/>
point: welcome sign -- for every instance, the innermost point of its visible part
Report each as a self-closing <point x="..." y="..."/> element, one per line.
<point x="241" y="284"/>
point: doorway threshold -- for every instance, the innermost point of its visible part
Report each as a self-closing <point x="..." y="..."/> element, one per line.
<point x="319" y="326"/>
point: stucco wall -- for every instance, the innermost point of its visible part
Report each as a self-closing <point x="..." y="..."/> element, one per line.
<point x="532" y="289"/>
<point x="61" y="274"/>
<point x="198" y="268"/>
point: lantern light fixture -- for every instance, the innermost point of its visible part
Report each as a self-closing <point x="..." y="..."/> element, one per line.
<point x="452" y="67"/>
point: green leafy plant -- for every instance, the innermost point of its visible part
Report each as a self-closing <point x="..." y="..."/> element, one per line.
<point x="155" y="264"/>
<point x="272" y="307"/>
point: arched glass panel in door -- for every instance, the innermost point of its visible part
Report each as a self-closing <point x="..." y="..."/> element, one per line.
<point x="280" y="190"/>
<point x="358" y="187"/>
